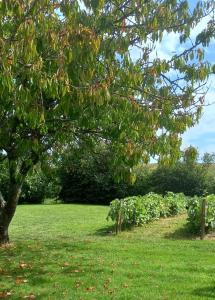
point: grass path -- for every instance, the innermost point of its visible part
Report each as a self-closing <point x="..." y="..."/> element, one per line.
<point x="68" y="252"/>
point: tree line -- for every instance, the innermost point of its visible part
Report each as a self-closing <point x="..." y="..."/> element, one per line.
<point x="88" y="177"/>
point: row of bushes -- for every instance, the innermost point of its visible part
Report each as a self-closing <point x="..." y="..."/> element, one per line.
<point x="140" y="210"/>
<point x="194" y="210"/>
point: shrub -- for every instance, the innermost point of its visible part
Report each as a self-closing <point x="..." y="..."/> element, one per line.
<point x="127" y="212"/>
<point x="175" y="203"/>
<point x="139" y="210"/>
<point x="194" y="207"/>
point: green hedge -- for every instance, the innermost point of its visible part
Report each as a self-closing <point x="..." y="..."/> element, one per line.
<point x="139" y="210"/>
<point x="194" y="208"/>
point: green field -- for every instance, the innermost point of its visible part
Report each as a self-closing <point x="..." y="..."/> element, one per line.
<point x="69" y="252"/>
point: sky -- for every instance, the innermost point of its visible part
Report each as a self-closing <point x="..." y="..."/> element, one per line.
<point x="202" y="135"/>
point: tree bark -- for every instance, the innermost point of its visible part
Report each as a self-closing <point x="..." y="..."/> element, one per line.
<point x="4" y="236"/>
<point x="7" y="212"/>
<point x="17" y="174"/>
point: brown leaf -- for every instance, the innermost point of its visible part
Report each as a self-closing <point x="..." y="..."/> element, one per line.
<point x="106" y="283"/>
<point x="24" y="265"/>
<point x="5" y="294"/>
<point x="75" y="271"/>
<point x="90" y="289"/>
<point x="20" y="280"/>
<point x="78" y="284"/>
<point x="110" y="292"/>
<point x="30" y="297"/>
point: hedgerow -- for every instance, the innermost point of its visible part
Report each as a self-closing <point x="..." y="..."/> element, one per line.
<point x="140" y="210"/>
<point x="194" y="210"/>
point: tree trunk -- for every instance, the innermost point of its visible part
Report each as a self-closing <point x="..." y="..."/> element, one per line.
<point x="7" y="212"/>
<point x="4" y="237"/>
<point x="18" y="171"/>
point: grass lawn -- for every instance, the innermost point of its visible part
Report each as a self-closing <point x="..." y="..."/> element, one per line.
<point x="68" y="252"/>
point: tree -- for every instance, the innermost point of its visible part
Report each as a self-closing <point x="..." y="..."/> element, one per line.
<point x="187" y="176"/>
<point x="66" y="74"/>
<point x="87" y="176"/>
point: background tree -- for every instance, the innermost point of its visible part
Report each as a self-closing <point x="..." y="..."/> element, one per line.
<point x="66" y="73"/>
<point x="87" y="176"/>
<point x="187" y="176"/>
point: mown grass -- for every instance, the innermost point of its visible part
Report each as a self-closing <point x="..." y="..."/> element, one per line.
<point x="69" y="252"/>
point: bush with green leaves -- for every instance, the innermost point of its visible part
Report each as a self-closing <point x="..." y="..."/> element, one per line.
<point x="194" y="210"/>
<point x="139" y="210"/>
<point x="175" y="203"/>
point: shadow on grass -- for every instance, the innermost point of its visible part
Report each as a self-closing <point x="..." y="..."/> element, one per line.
<point x="206" y="292"/>
<point x="111" y="231"/>
<point x="182" y="233"/>
<point x="105" y="231"/>
<point x="27" y="265"/>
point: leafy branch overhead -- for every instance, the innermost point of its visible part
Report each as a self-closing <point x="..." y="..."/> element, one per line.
<point x="66" y="70"/>
<point x="67" y="76"/>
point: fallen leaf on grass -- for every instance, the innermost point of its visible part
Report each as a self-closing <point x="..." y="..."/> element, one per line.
<point x="78" y="284"/>
<point x="20" y="280"/>
<point x="7" y="246"/>
<point x="5" y="294"/>
<point x="106" y="286"/>
<point x="106" y="283"/>
<point x="90" y="289"/>
<point x="30" y="297"/>
<point x="24" y="265"/>
<point x="111" y="291"/>
<point x="76" y="271"/>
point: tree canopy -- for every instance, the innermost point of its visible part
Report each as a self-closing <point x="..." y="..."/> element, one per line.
<point x="67" y="75"/>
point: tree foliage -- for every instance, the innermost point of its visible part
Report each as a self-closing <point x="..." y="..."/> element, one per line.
<point x="187" y="176"/>
<point x="66" y="73"/>
<point x="88" y="176"/>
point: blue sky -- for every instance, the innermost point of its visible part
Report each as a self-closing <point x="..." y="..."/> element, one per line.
<point x="202" y="135"/>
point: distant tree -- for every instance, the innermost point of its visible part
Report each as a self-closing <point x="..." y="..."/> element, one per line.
<point x="190" y="156"/>
<point x="66" y="74"/>
<point x="208" y="158"/>
<point x="187" y="176"/>
<point x="88" y="177"/>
